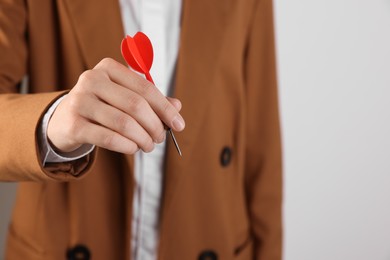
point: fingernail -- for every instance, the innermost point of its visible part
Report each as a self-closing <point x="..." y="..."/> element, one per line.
<point x="178" y="123"/>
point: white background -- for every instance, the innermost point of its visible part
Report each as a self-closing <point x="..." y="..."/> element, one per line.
<point x="334" y="74"/>
<point x="334" y="78"/>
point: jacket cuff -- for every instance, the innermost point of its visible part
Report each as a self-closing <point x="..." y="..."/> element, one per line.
<point x="20" y="158"/>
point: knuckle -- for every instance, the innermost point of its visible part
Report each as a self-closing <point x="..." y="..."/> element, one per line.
<point x="87" y="78"/>
<point x="90" y="79"/>
<point x="136" y="104"/>
<point x="157" y="130"/>
<point x="148" y="144"/>
<point x="108" y="141"/>
<point x="122" y="123"/>
<point x="132" y="148"/>
<point x="106" y="61"/>
<point x="167" y="108"/>
<point x="75" y="103"/>
<point x="146" y="88"/>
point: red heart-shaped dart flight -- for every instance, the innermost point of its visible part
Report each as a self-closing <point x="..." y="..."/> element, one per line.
<point x="138" y="53"/>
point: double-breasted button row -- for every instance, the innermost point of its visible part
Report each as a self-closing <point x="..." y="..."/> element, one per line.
<point x="226" y="156"/>
<point x="79" y="252"/>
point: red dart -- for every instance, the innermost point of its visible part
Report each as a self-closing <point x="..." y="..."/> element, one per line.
<point x="138" y="53"/>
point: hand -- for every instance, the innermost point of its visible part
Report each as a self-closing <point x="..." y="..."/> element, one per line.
<point x="114" y="108"/>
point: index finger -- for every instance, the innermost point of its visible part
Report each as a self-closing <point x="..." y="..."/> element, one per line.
<point x="123" y="76"/>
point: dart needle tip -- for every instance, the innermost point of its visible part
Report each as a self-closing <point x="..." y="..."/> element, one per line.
<point x="178" y="149"/>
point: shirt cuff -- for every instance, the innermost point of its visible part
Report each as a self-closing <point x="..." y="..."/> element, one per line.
<point x="48" y="154"/>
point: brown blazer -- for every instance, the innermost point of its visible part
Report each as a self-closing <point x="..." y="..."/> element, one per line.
<point x="221" y="200"/>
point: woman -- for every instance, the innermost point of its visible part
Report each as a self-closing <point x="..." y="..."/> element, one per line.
<point x="221" y="200"/>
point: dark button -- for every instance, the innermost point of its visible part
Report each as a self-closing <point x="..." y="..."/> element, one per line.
<point x="208" y="255"/>
<point x="226" y="156"/>
<point x="79" y="252"/>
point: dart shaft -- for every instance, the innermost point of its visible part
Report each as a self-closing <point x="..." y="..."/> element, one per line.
<point x="174" y="141"/>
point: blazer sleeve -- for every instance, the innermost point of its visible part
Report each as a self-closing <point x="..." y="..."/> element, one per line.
<point x="263" y="160"/>
<point x="20" y="114"/>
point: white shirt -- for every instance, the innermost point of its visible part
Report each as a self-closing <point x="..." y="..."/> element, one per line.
<point x="160" y="20"/>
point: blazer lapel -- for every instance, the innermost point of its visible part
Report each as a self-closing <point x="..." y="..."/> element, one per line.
<point x="98" y="28"/>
